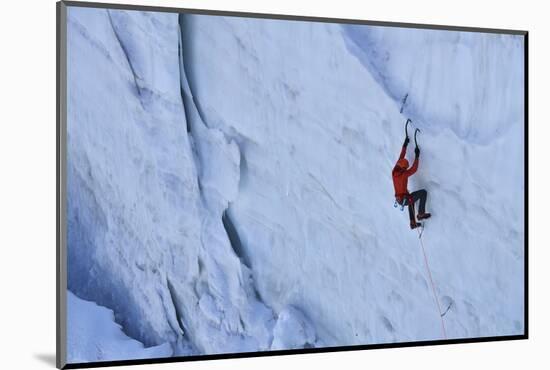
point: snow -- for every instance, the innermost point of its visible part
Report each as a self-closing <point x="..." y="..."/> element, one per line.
<point x="293" y="330"/>
<point x="461" y="71"/>
<point x="93" y="335"/>
<point x="229" y="182"/>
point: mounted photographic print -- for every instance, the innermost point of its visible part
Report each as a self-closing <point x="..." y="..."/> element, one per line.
<point x="235" y="184"/>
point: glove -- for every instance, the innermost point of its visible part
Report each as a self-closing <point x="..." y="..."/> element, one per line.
<point x="406" y="141"/>
<point x="417" y="152"/>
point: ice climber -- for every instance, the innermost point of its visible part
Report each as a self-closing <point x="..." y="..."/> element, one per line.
<point x="401" y="173"/>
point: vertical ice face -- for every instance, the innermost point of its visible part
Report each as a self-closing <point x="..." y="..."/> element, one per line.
<point x="317" y="118"/>
<point x="460" y="81"/>
<point x="229" y="182"/>
<point x="466" y="92"/>
<point x="130" y="170"/>
<point x="144" y="238"/>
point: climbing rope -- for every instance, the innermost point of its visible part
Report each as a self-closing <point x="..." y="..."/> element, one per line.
<point x="433" y="287"/>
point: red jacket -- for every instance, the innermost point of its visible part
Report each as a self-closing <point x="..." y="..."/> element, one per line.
<point x="401" y="176"/>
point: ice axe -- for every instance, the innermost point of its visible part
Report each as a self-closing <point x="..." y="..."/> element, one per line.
<point x="406" y="125"/>
<point x="415" y="132"/>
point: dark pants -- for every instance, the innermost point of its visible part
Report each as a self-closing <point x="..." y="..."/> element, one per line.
<point x="420" y="195"/>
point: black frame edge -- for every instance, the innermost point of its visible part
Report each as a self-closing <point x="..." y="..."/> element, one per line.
<point x="526" y="186"/>
<point x="61" y="130"/>
<point x="61" y="276"/>
<point x="224" y="356"/>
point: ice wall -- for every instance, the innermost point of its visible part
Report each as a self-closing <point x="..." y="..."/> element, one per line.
<point x="464" y="82"/>
<point x="146" y="238"/>
<point x="319" y="128"/>
<point x="129" y="171"/>
<point x="230" y="190"/>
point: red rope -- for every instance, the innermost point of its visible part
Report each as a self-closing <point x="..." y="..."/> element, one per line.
<point x="433" y="288"/>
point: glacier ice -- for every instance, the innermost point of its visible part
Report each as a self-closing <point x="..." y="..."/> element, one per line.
<point x="94" y="336"/>
<point x="229" y="182"/>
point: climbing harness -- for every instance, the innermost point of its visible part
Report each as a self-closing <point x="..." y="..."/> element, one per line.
<point x="401" y="204"/>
